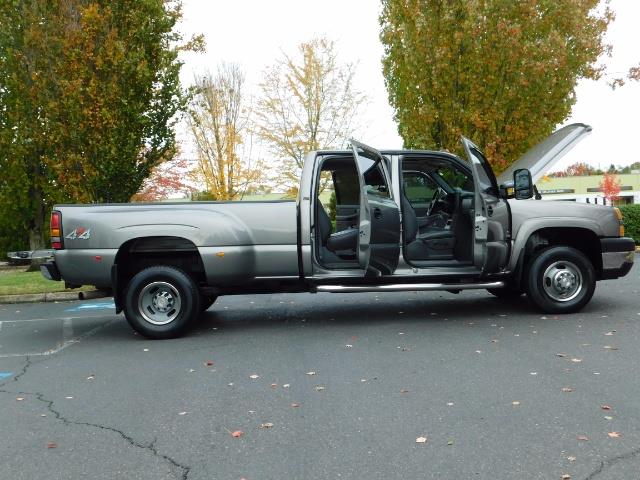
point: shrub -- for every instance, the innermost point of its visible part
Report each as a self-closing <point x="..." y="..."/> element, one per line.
<point x="631" y="217"/>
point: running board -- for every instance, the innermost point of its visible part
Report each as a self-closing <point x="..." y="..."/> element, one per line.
<point x="407" y="287"/>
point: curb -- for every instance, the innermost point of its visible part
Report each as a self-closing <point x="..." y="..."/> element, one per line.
<point x="51" y="297"/>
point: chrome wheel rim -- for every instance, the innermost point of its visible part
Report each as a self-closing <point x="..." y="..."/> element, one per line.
<point x="159" y="303"/>
<point x="562" y="281"/>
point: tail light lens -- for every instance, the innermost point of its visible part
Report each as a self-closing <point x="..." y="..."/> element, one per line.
<point x="56" y="230"/>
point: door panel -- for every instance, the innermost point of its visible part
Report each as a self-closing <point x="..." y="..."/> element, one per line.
<point x="379" y="216"/>
<point x="491" y="215"/>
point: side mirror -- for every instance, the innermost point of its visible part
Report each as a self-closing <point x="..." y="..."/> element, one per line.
<point x="523" y="184"/>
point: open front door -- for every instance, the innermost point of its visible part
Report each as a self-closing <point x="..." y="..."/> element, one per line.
<point x="379" y="218"/>
<point x="491" y="214"/>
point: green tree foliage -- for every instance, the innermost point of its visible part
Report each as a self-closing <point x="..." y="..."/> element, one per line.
<point x="631" y="218"/>
<point x="500" y="72"/>
<point x="89" y="91"/>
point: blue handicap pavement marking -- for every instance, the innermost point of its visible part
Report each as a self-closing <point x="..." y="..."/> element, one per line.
<point x="92" y="306"/>
<point x="4" y="375"/>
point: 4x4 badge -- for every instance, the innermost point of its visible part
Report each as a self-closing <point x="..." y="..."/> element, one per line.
<point x="80" y="233"/>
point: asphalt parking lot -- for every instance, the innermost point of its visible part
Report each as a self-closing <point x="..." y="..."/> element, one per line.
<point x="326" y="386"/>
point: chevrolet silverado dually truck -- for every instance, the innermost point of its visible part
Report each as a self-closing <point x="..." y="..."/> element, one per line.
<point x="403" y="220"/>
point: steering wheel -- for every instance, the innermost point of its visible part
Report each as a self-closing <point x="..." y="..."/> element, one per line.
<point x="434" y="199"/>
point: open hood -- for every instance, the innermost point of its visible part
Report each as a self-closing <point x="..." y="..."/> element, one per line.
<point x="543" y="156"/>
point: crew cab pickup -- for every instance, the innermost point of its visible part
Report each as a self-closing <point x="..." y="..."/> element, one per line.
<point x="403" y="220"/>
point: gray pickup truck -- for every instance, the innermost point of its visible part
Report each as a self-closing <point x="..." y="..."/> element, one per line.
<point x="403" y="220"/>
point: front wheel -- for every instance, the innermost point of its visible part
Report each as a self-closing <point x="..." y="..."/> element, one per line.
<point x="560" y="280"/>
<point x="161" y="302"/>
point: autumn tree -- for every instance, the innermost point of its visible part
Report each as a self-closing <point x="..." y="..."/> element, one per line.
<point x="308" y="102"/>
<point x="90" y="92"/>
<point x="167" y="180"/>
<point x="610" y="187"/>
<point x="500" y="72"/>
<point x="219" y="120"/>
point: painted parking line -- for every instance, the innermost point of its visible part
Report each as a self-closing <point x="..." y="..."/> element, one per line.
<point x="93" y="306"/>
<point x="67" y="339"/>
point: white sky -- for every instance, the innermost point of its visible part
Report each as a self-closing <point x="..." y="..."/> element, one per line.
<point x="252" y="33"/>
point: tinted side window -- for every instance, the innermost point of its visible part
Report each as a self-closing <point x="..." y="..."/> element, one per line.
<point x="418" y="188"/>
<point x="455" y="178"/>
<point x="375" y="183"/>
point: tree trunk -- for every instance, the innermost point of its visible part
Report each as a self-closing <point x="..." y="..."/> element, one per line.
<point x="36" y="227"/>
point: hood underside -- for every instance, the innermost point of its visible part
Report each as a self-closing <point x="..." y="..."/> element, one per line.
<point x="543" y="156"/>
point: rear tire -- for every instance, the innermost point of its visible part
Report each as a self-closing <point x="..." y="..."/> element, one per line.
<point x="560" y="280"/>
<point x="161" y="302"/>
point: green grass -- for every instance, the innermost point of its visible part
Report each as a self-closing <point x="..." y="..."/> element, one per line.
<point x="17" y="281"/>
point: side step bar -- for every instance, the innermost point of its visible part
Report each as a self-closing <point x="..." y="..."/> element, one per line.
<point x="407" y="287"/>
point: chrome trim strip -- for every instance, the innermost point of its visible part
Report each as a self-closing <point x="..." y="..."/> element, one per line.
<point x="410" y="287"/>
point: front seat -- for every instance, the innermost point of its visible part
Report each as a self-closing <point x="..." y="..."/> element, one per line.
<point x="346" y="239"/>
<point x="431" y="244"/>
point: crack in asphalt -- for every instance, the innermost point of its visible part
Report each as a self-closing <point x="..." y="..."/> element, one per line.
<point x="17" y="377"/>
<point x="609" y="462"/>
<point x="150" y="447"/>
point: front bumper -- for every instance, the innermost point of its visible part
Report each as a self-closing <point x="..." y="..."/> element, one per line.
<point x="50" y="271"/>
<point x="617" y="256"/>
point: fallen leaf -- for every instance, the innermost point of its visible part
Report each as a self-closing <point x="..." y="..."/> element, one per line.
<point x="533" y="373"/>
<point x="421" y="440"/>
<point x="583" y="438"/>
<point x="145" y="349"/>
<point x="254" y="376"/>
<point x="182" y="413"/>
<point x="608" y="334"/>
<point x="348" y="346"/>
<point x="237" y="434"/>
<point x="404" y="390"/>
<point x="19" y="399"/>
<point x="91" y="377"/>
<point x="450" y="442"/>
<point x="68" y="398"/>
<point x="191" y="370"/>
<point x="607" y="417"/>
<point x="52" y="445"/>
<point x="449" y="404"/>
<point x="567" y="389"/>
<point x="565" y="476"/>
<point x="562" y="355"/>
<point x="516" y="403"/>
<point x="614" y="434"/>
<point x="319" y="388"/>
<point x="295" y="405"/>
<point x="266" y="425"/>
<point x="209" y="363"/>
<point x="286" y="385"/>
<point x="571" y="458"/>
<point x="576" y="360"/>
<point x="608" y="347"/>
<point x="311" y="373"/>
<point x="274" y="385"/>
<point x="605" y="407"/>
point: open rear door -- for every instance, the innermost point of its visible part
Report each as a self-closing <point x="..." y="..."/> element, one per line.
<point x="379" y="218"/>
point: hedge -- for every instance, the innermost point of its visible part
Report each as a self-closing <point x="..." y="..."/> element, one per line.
<point x="631" y="217"/>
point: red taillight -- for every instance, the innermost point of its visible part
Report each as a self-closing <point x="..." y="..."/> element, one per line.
<point x="56" y="230"/>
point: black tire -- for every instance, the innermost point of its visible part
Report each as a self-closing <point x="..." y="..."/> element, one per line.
<point x="161" y="302"/>
<point x="505" y="293"/>
<point x="207" y="301"/>
<point x="560" y="280"/>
